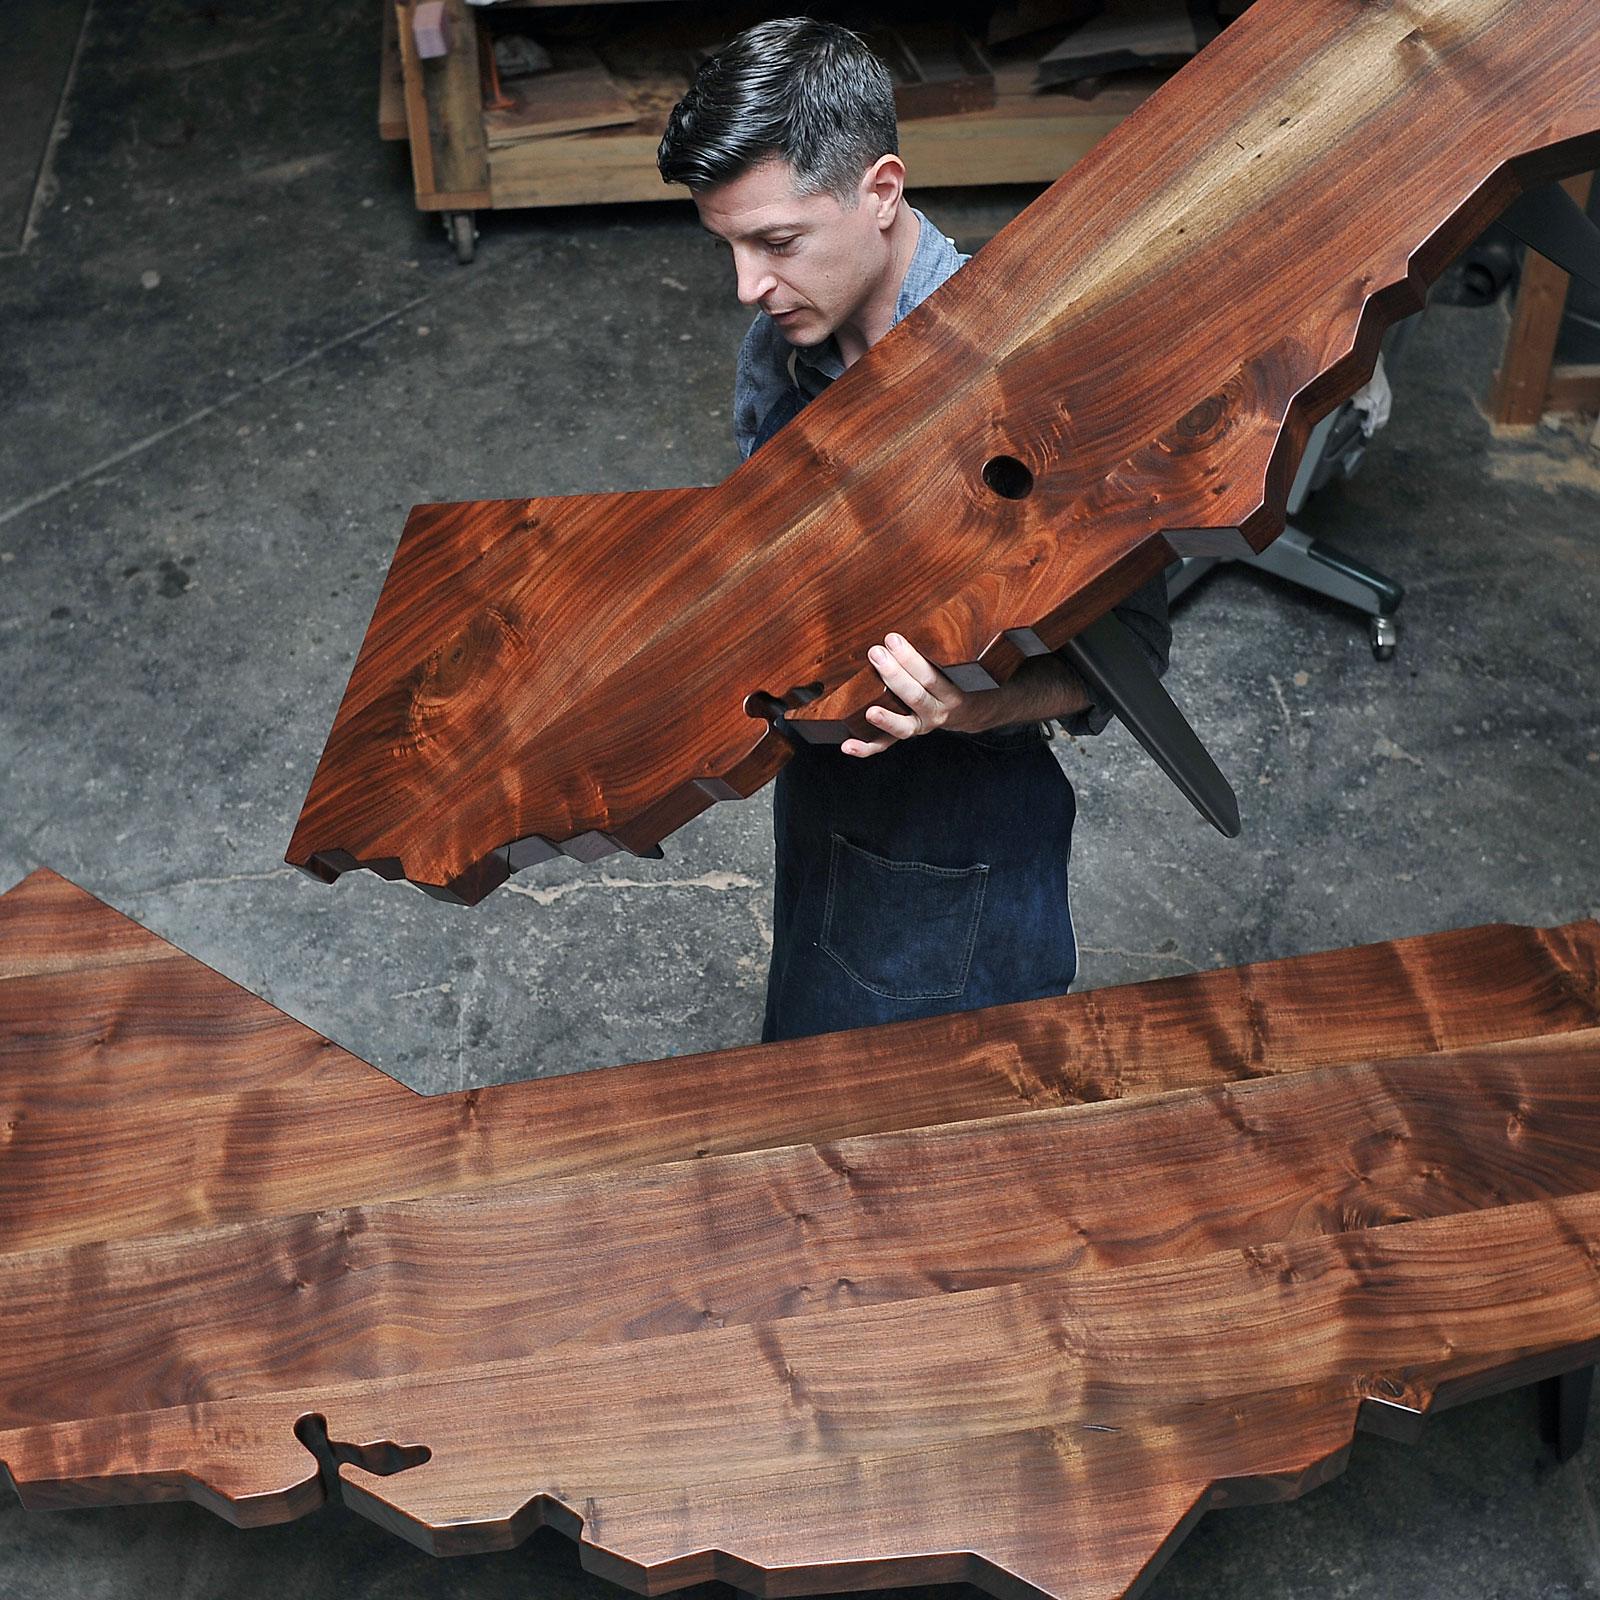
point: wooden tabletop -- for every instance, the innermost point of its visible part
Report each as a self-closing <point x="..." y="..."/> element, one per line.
<point x="1009" y="1297"/>
<point x="1127" y="373"/>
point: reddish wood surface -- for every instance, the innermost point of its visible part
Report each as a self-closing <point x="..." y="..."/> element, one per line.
<point x="908" y="1313"/>
<point x="1050" y="1436"/>
<point x="1152" y="339"/>
<point x="188" y="1103"/>
<point x="384" y="1289"/>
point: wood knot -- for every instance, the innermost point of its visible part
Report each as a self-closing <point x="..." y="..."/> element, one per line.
<point x="460" y="667"/>
<point x="1204" y="419"/>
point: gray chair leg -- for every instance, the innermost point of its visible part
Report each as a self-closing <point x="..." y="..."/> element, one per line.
<point x="1324" y="569"/>
<point x="1333" y="449"/>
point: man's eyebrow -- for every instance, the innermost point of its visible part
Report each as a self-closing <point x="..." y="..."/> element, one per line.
<point x="757" y="233"/>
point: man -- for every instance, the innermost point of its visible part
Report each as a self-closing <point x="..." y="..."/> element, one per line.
<point x="923" y="870"/>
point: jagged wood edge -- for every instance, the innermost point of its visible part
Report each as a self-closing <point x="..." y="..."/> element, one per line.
<point x="1393" y="1419"/>
<point x="1382" y="307"/>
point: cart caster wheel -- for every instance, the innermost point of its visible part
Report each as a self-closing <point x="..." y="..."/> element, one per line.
<point x="463" y="235"/>
<point x="1385" y="635"/>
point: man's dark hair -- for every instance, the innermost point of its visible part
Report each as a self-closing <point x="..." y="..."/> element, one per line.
<point x="809" y="93"/>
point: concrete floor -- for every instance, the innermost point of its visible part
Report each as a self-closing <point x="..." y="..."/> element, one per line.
<point x="230" y="359"/>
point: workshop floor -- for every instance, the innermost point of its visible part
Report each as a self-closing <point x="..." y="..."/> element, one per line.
<point x="232" y="355"/>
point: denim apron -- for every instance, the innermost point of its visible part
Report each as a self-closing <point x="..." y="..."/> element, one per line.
<point x="929" y="878"/>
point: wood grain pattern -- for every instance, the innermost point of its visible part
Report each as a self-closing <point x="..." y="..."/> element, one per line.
<point x="947" y="1325"/>
<point x="239" y="1112"/>
<point x="1152" y="339"/>
<point x="652" y="1443"/>
<point x="500" y="1271"/>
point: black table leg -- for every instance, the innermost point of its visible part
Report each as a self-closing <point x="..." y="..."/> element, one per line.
<point x="1566" y="1408"/>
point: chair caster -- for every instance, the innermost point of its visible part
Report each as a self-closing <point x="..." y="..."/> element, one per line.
<point x="1385" y="635"/>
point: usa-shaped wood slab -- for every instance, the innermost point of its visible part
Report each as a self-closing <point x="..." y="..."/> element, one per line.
<point x="1128" y="372"/>
<point x="186" y="1102"/>
<point x="105" y="1338"/>
<point x="1054" y="1436"/>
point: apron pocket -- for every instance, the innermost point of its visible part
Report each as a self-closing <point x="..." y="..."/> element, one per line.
<point x="903" y="929"/>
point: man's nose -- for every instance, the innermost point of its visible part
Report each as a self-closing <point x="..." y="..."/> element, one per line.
<point x="756" y="280"/>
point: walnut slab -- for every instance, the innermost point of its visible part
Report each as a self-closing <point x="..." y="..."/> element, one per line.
<point x="188" y="1103"/>
<point x="881" y="1308"/>
<point x="1053" y="1436"/>
<point x="1128" y="372"/>
<point x="304" y="1300"/>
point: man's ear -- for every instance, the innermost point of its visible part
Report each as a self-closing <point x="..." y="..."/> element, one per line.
<point x="882" y="186"/>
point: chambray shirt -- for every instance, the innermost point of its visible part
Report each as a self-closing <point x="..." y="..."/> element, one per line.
<point x="771" y="370"/>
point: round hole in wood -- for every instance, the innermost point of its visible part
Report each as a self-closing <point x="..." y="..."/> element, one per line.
<point x="1008" y="477"/>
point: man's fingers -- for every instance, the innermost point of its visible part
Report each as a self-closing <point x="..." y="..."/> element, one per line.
<point x="896" y="679"/>
<point x="924" y="693"/>
<point x="907" y="673"/>
<point x="894" y="723"/>
<point x="866" y="747"/>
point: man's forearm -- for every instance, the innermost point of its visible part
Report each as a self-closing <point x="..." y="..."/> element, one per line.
<point x="1040" y="690"/>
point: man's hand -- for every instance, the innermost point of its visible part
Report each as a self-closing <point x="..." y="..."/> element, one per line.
<point x="931" y="699"/>
<point x="1039" y="690"/>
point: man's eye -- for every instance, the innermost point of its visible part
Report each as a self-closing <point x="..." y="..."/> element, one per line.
<point x="780" y="245"/>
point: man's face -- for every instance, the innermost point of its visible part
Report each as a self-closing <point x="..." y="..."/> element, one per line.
<point x="809" y="261"/>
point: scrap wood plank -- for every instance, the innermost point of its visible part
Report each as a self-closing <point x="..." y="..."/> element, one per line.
<point x="937" y="68"/>
<point x="1129" y="36"/>
<point x="206" y="1114"/>
<point x="574" y="673"/>
<point x="578" y="93"/>
<point x="444" y="114"/>
<point x="1521" y="390"/>
<point x="1024" y="139"/>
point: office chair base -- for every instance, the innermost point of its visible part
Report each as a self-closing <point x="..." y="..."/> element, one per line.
<point x="1323" y="569"/>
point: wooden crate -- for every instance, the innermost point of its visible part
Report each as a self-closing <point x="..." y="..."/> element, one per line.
<point x="438" y="106"/>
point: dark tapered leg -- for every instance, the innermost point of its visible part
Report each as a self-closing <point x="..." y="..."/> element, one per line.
<point x="1549" y="220"/>
<point x="1108" y="658"/>
<point x="1566" y="1410"/>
